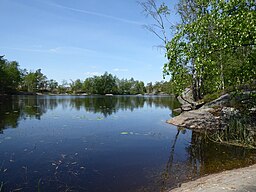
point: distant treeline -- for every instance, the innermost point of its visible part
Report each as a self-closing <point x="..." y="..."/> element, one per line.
<point x="14" y="80"/>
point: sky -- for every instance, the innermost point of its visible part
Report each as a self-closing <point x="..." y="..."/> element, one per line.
<point x="76" y="39"/>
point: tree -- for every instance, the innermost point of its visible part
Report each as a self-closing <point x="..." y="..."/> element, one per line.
<point x="76" y="86"/>
<point x="35" y="81"/>
<point x="124" y="86"/>
<point x="149" y="87"/>
<point x="10" y="76"/>
<point x="160" y="15"/>
<point x="63" y="87"/>
<point x="213" y="41"/>
<point x="88" y="86"/>
<point x="221" y="28"/>
<point x="52" y="85"/>
<point x="105" y="84"/>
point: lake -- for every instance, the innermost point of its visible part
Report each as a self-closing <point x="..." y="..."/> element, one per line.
<point x="103" y="143"/>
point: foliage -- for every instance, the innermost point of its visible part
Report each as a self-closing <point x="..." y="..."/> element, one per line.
<point x="218" y="44"/>
<point x="76" y="86"/>
<point x="14" y="79"/>
<point x="159" y="13"/>
<point x="213" y="46"/>
<point x="34" y="81"/>
<point x="211" y="97"/>
<point x="109" y="84"/>
<point x="9" y="76"/>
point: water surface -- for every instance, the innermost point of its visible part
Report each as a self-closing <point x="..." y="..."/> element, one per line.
<point x="99" y="144"/>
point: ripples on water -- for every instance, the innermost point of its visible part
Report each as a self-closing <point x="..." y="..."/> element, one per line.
<point x="120" y="143"/>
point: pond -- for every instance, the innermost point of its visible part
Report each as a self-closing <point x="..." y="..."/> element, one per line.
<point x="103" y="143"/>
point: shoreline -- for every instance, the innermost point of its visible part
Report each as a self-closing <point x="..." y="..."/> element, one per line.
<point x="214" y="115"/>
<point x="240" y="180"/>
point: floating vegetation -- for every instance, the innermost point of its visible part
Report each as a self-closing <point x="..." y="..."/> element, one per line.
<point x="124" y="133"/>
<point x="18" y="189"/>
<point x="100" y="118"/>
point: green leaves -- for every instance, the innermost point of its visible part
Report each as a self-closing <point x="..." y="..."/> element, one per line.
<point x="10" y="76"/>
<point x="215" y="40"/>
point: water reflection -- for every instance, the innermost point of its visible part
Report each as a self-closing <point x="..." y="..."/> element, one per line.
<point x="12" y="109"/>
<point x="67" y="143"/>
<point x="203" y="157"/>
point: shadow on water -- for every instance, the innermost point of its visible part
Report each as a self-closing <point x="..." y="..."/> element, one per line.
<point x="131" y="149"/>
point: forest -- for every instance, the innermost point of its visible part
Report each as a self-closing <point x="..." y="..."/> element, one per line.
<point x="14" y="80"/>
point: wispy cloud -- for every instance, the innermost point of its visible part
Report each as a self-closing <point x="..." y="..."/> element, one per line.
<point x="120" y="70"/>
<point x="57" y="50"/>
<point x="92" y="73"/>
<point x="97" y="14"/>
<point x="70" y="49"/>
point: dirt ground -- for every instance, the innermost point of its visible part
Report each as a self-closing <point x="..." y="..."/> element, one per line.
<point x="239" y="180"/>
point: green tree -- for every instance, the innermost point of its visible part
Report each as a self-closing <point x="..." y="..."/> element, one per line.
<point x="106" y="84"/>
<point x="52" y="85"/>
<point x="76" y="86"/>
<point x="10" y="76"/>
<point x="223" y="31"/>
<point x="213" y="46"/>
<point x="149" y="87"/>
<point x="124" y="87"/>
<point x="35" y="81"/>
<point x="88" y="86"/>
<point x="63" y="87"/>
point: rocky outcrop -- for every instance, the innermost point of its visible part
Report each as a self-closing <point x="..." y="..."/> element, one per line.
<point x="239" y="180"/>
<point x="197" y="119"/>
<point x="213" y="115"/>
<point x="187" y="102"/>
<point x="222" y="100"/>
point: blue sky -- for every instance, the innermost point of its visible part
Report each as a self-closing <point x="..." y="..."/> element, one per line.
<point x="71" y="39"/>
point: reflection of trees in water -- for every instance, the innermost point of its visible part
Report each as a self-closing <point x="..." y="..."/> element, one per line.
<point x="203" y="157"/>
<point x="166" y="176"/>
<point x="12" y="109"/>
<point x="206" y="156"/>
<point x="9" y="113"/>
<point x="109" y="105"/>
<point x="239" y="131"/>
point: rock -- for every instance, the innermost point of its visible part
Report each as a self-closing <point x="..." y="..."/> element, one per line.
<point x="224" y="99"/>
<point x="213" y="115"/>
<point x="178" y="110"/>
<point x="187" y="102"/>
<point x="197" y="119"/>
<point x="242" y="179"/>
<point x="186" y="107"/>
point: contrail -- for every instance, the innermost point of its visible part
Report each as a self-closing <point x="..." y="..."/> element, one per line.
<point x="97" y="14"/>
